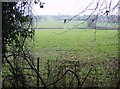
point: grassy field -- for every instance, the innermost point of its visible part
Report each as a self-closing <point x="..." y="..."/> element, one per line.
<point x="56" y="45"/>
<point x="76" y="44"/>
<point x="94" y="47"/>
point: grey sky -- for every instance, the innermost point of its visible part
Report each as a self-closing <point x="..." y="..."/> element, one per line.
<point x="67" y="7"/>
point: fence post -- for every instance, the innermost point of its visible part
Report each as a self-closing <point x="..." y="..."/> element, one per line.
<point x="65" y="65"/>
<point x="48" y="71"/>
<point x="37" y="73"/>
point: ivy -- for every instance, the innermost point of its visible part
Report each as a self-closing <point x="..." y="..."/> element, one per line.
<point x="16" y="25"/>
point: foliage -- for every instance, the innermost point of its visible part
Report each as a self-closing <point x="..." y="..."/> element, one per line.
<point x="14" y="28"/>
<point x="17" y="28"/>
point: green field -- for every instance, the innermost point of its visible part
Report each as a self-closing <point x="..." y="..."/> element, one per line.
<point x="93" y="47"/>
<point x="57" y="44"/>
<point x="76" y="44"/>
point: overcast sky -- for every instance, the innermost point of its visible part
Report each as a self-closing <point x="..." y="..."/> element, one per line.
<point x="66" y="7"/>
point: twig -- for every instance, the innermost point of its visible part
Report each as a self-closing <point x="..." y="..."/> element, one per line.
<point x="85" y="77"/>
<point x="64" y="75"/>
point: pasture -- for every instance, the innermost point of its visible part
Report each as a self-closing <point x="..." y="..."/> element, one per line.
<point x="56" y="41"/>
<point x="94" y="47"/>
<point x="75" y="40"/>
<point x="77" y="44"/>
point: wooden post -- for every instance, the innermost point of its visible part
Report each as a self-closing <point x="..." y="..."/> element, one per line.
<point x="65" y="76"/>
<point x="38" y="73"/>
<point x="48" y="66"/>
<point x="48" y="70"/>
